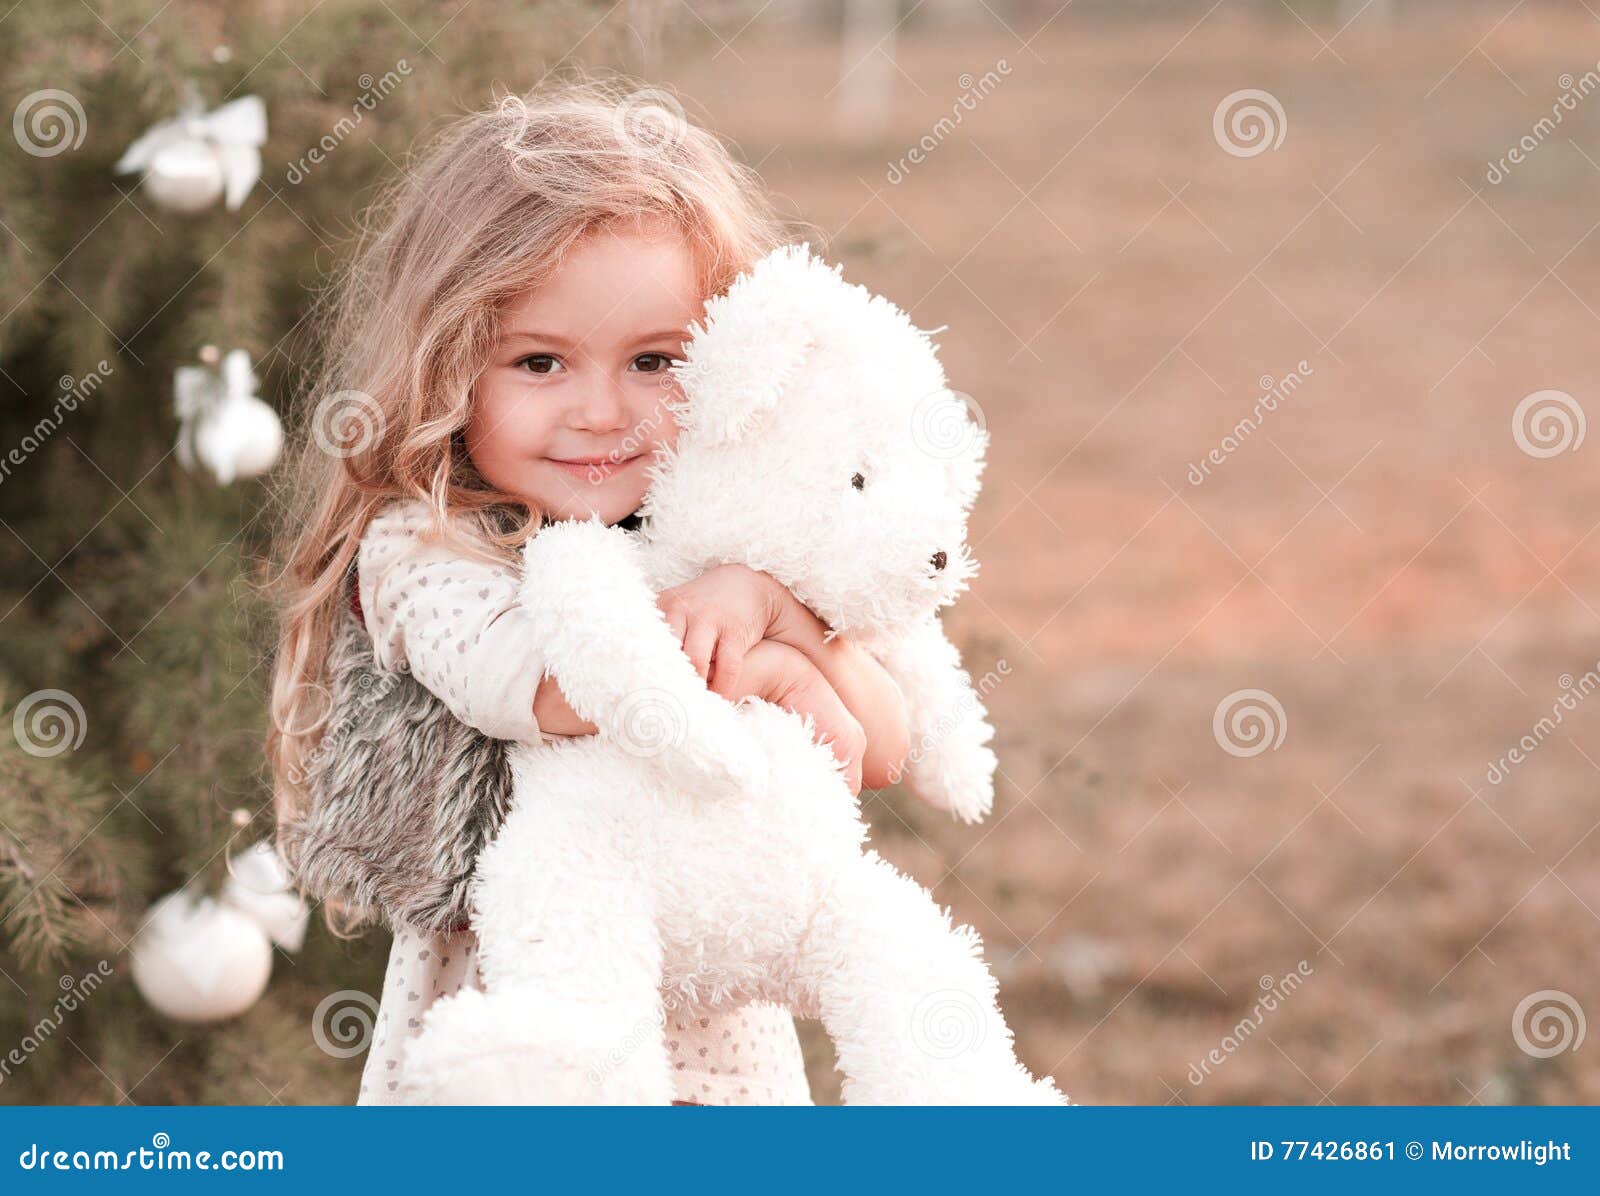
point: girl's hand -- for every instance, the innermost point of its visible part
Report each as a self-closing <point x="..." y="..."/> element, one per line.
<point x="725" y="613"/>
<point x="772" y="671"/>
<point x="719" y="617"/>
<point x="868" y="692"/>
<point x="785" y="677"/>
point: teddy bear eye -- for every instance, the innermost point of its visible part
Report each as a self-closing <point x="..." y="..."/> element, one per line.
<point x="858" y="482"/>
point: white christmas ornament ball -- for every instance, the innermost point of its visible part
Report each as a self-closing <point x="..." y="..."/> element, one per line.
<point x="198" y="960"/>
<point x="259" y="885"/>
<point x="185" y="176"/>
<point x="243" y="439"/>
<point x="221" y="423"/>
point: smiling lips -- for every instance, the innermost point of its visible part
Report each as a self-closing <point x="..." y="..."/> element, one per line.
<point x="593" y="469"/>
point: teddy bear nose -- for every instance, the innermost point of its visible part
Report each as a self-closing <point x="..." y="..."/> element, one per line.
<point x="939" y="559"/>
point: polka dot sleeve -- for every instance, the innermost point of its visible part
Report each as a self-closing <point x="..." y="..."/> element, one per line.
<point x="453" y="621"/>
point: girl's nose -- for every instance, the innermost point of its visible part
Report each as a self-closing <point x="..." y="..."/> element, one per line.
<point x="600" y="407"/>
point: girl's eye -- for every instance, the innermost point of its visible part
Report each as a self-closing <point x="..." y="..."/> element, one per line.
<point x="542" y="363"/>
<point x="651" y="363"/>
<point x="859" y="482"/>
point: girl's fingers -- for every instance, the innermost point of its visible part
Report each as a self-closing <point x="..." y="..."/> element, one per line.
<point x="699" y="644"/>
<point x="835" y="725"/>
<point x="678" y="622"/>
<point x="726" y="667"/>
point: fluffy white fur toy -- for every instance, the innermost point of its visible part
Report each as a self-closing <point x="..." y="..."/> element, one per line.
<point x="699" y="853"/>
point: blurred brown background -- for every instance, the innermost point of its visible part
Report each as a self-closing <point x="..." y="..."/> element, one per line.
<point x="1379" y="554"/>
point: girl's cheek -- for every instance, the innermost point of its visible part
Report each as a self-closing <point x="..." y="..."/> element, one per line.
<point x="656" y="409"/>
<point x="506" y="424"/>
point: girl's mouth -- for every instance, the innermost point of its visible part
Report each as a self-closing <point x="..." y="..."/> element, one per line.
<point x="593" y="469"/>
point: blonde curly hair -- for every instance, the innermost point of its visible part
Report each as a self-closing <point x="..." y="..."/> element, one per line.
<point x="407" y="326"/>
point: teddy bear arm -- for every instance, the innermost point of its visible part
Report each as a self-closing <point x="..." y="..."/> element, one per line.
<point x="950" y="764"/>
<point x="609" y="647"/>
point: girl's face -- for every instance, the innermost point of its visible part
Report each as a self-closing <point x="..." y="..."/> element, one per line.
<point x="573" y="403"/>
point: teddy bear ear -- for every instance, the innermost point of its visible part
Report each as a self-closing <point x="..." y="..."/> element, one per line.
<point x="751" y="346"/>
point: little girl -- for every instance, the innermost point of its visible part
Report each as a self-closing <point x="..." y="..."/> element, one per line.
<point x="503" y="336"/>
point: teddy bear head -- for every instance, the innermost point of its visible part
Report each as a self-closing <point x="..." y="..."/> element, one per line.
<point x="819" y="441"/>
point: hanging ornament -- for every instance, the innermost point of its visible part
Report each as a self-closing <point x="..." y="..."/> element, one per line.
<point x="196" y="959"/>
<point x="189" y="161"/>
<point x="221" y="423"/>
<point x="259" y="885"/>
<point x="206" y="959"/>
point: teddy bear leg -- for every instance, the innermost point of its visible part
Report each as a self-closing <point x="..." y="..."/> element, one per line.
<point x="570" y="958"/>
<point x="526" y="1047"/>
<point x="908" y="1000"/>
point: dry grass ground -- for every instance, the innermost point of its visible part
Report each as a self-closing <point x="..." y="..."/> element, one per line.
<point x="1380" y="555"/>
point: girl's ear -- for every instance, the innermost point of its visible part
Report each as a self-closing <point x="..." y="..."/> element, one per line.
<point x="752" y="345"/>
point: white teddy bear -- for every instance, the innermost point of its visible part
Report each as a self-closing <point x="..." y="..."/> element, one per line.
<point x="699" y="853"/>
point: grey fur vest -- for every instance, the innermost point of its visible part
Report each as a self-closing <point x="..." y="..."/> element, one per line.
<point x="403" y="797"/>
